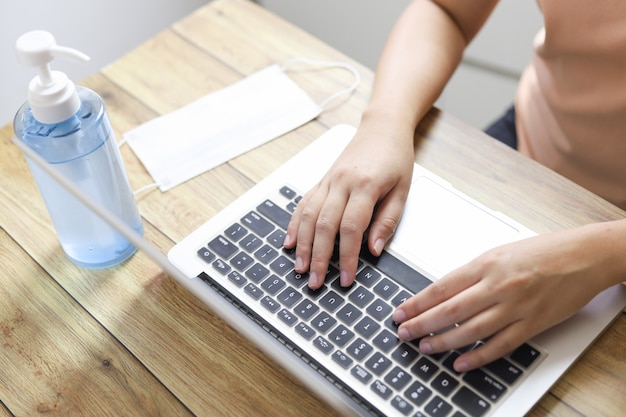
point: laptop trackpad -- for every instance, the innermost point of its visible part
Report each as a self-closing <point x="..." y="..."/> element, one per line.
<point x="442" y="230"/>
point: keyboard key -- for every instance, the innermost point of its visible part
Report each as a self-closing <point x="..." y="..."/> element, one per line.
<point x="323" y="322"/>
<point x="385" y="341"/>
<point x="378" y="363"/>
<point x="258" y="224"/>
<point x="401" y="405"/>
<point x="206" y="255"/>
<point x="361" y="374"/>
<point x="398" y="378"/>
<point x="241" y="261"/>
<point x="417" y="393"/>
<point x="379" y="309"/>
<point x="393" y="267"/>
<point x="223" y="247"/>
<point x="221" y="266"/>
<point x="289" y="252"/>
<point x="287" y="317"/>
<point x="253" y="291"/>
<point x="287" y="192"/>
<point x="368" y="276"/>
<point x="306" y="309"/>
<point x="444" y="383"/>
<point x="273" y="284"/>
<point x="275" y="213"/>
<point x="266" y="254"/>
<point x="235" y="232"/>
<point x="257" y="272"/>
<point x="361" y="296"/>
<point x="323" y="344"/>
<point x="359" y="349"/>
<point x="386" y="288"/>
<point x="471" y="403"/>
<point x="316" y="293"/>
<point x="504" y="370"/>
<point x="341" y="335"/>
<point x="400" y="298"/>
<point x="525" y="355"/>
<point x="381" y="389"/>
<point x="331" y="301"/>
<point x="250" y="243"/>
<point x="271" y="304"/>
<point x="296" y="279"/>
<point x="424" y="369"/>
<point x="281" y="265"/>
<point x="289" y="296"/>
<point x="404" y="354"/>
<point x="367" y="327"/>
<point x="291" y="207"/>
<point x="336" y="285"/>
<point x="449" y="362"/>
<point x="237" y="279"/>
<point x="342" y="359"/>
<point x="391" y="325"/>
<point x="276" y="238"/>
<point x="349" y="314"/>
<point x="438" y="407"/>
<point x="485" y="384"/>
<point x="305" y="331"/>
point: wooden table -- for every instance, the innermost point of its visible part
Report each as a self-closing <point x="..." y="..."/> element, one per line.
<point x="130" y="341"/>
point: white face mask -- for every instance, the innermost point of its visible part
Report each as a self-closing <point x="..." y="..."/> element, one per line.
<point x="222" y="125"/>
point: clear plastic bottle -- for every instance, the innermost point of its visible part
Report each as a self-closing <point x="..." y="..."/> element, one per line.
<point x="68" y="127"/>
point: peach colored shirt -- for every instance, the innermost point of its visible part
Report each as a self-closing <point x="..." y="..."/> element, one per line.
<point x="571" y="100"/>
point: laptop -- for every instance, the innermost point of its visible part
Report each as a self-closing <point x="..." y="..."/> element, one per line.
<point x="341" y="342"/>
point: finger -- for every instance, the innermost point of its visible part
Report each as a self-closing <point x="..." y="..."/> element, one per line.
<point x="326" y="230"/>
<point x="294" y="223"/>
<point x="355" y="220"/>
<point x="436" y="293"/>
<point x="303" y="231"/>
<point x="480" y="326"/>
<point x="385" y="221"/>
<point x="502" y="343"/>
<point x="462" y="308"/>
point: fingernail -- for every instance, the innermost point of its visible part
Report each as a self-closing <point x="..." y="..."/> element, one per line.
<point x="378" y="247"/>
<point x="299" y="264"/>
<point x="461" y="366"/>
<point x="313" y="280"/>
<point x="399" y="316"/>
<point x="287" y="240"/>
<point x="343" y="279"/>
<point x="426" y="348"/>
<point x="403" y="334"/>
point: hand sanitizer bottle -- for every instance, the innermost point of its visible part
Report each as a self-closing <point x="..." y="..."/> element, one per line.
<point x="68" y="127"/>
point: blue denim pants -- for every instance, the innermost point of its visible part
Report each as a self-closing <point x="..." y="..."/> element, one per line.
<point x="503" y="129"/>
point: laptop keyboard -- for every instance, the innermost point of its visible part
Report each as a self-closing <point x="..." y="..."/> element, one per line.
<point x="347" y="334"/>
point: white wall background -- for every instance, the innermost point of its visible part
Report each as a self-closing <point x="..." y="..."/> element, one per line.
<point x="104" y="30"/>
<point x="484" y="85"/>
<point x="479" y="91"/>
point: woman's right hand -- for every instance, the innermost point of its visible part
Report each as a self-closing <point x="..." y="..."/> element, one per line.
<point x="367" y="186"/>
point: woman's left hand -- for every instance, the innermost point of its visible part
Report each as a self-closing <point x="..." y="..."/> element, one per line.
<point x="511" y="293"/>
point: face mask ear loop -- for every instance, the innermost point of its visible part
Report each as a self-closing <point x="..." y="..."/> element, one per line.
<point x="145" y="187"/>
<point x="330" y="64"/>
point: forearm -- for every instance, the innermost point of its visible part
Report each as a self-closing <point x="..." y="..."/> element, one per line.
<point x="607" y="244"/>
<point x="421" y="54"/>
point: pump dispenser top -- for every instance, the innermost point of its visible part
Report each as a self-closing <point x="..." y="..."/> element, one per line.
<point x="51" y="95"/>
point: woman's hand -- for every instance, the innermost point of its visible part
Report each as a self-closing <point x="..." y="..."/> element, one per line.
<point x="513" y="292"/>
<point x="367" y="186"/>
